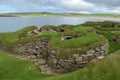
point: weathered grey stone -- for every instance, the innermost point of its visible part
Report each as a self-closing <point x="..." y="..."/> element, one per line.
<point x="100" y="57"/>
<point x="79" y="60"/>
<point x="91" y="51"/>
<point x="97" y="49"/>
<point x="21" y="49"/>
<point x="33" y="57"/>
<point x="53" y="52"/>
<point x="36" y="63"/>
<point x="75" y="55"/>
<point x="41" y="61"/>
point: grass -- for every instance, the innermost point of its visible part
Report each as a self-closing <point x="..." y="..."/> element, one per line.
<point x="7" y="39"/>
<point x="15" y="69"/>
<point x="82" y="29"/>
<point x="113" y="46"/>
<point x="110" y="29"/>
<point x="78" y="42"/>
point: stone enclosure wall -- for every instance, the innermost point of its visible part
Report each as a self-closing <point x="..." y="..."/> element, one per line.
<point x="36" y="52"/>
<point x="50" y="63"/>
<point x="76" y="61"/>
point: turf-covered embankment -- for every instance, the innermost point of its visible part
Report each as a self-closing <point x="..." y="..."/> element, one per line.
<point x="9" y="38"/>
<point x="83" y="39"/>
<point x="110" y="30"/>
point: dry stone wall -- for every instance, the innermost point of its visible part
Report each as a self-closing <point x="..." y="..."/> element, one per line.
<point x="77" y="60"/>
<point x="50" y="63"/>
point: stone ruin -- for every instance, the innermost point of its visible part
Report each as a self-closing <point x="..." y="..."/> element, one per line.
<point x="69" y="36"/>
<point x="65" y="37"/>
<point x="48" y="61"/>
<point x="115" y="39"/>
<point x="76" y="61"/>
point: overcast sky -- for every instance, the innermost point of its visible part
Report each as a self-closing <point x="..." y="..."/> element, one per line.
<point x="78" y="6"/>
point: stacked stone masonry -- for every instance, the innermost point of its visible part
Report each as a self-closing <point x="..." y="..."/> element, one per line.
<point x="50" y="63"/>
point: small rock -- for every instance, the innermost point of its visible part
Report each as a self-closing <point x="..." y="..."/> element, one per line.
<point x="91" y="51"/>
<point x="41" y="61"/>
<point x="33" y="57"/>
<point x="75" y="55"/>
<point x="100" y="57"/>
<point x="36" y="63"/>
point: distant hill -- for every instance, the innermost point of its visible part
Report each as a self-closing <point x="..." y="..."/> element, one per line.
<point x="58" y="14"/>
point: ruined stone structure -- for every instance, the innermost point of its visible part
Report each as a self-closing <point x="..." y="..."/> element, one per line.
<point x="77" y="60"/>
<point x="116" y="39"/>
<point x="50" y="63"/>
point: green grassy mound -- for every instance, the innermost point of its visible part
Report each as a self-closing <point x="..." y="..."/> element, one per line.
<point x="7" y="39"/>
<point x="86" y="39"/>
<point x="105" y="24"/>
<point x="109" y="29"/>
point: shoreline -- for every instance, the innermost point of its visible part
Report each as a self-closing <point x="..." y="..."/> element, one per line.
<point x="116" y="16"/>
<point x="101" y="17"/>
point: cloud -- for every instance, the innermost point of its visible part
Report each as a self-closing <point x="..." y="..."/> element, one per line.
<point x="79" y="6"/>
<point x="112" y="3"/>
<point x="87" y="6"/>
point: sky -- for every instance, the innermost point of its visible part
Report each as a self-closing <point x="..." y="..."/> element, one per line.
<point x="61" y="6"/>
